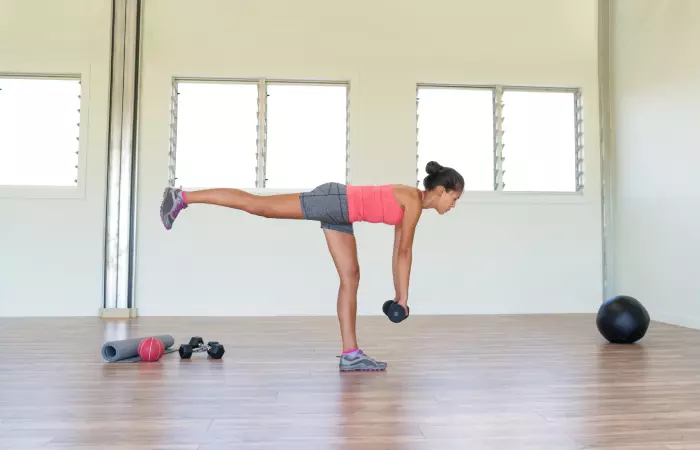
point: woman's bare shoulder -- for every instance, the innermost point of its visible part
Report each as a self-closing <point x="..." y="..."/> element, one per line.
<point x="407" y="194"/>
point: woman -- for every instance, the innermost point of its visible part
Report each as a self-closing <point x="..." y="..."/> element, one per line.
<point x="337" y="207"/>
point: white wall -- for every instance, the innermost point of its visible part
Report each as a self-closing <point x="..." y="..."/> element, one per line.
<point x="515" y="254"/>
<point x="656" y="103"/>
<point x="51" y="243"/>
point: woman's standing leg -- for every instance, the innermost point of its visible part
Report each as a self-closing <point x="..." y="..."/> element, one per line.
<point x="343" y="249"/>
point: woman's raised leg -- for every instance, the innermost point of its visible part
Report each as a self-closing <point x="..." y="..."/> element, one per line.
<point x="281" y="206"/>
<point x="343" y="249"/>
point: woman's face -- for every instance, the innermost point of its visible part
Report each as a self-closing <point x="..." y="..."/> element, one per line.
<point x="447" y="200"/>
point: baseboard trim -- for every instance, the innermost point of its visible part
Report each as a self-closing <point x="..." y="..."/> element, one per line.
<point x="681" y="321"/>
<point x="118" y="313"/>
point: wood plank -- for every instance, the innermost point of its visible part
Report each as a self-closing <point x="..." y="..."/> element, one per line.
<point x="491" y="382"/>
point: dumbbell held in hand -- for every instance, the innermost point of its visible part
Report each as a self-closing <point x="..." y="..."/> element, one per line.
<point x="394" y="311"/>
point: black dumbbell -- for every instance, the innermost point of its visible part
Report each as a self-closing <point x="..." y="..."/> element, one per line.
<point x="215" y="350"/>
<point x="196" y="345"/>
<point x="186" y="350"/>
<point x="196" y="342"/>
<point x="394" y="311"/>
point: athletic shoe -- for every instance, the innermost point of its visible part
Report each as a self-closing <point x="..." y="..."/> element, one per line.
<point x="171" y="206"/>
<point x="361" y="362"/>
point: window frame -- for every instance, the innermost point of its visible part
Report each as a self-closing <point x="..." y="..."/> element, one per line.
<point x="57" y="192"/>
<point x="498" y="193"/>
<point x="261" y="153"/>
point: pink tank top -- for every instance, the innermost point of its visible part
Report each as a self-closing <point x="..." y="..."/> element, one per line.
<point x="374" y="204"/>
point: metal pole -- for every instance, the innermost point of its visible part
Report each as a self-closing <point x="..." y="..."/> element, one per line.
<point x="114" y="153"/>
<point x="607" y="149"/>
<point x="121" y="168"/>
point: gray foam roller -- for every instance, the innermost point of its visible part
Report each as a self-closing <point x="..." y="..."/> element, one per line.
<point x="127" y="350"/>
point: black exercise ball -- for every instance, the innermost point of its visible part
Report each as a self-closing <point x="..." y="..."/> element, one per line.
<point x="622" y="320"/>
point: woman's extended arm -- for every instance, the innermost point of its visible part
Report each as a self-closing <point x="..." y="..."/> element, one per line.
<point x="404" y="253"/>
<point x="395" y="261"/>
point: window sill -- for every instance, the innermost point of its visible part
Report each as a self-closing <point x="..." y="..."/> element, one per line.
<point x="41" y="192"/>
<point x="526" y="197"/>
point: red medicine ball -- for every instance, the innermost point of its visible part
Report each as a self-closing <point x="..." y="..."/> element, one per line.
<point x="151" y="349"/>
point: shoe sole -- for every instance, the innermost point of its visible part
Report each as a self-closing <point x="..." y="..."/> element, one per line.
<point x="162" y="216"/>
<point x="362" y="370"/>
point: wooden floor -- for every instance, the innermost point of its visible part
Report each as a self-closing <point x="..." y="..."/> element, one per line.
<point x="532" y="382"/>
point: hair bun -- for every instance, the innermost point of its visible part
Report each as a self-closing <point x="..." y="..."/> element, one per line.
<point x="433" y="167"/>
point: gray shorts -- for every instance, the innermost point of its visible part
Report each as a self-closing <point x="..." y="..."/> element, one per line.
<point x="328" y="204"/>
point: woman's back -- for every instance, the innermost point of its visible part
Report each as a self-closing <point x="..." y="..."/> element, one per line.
<point x="375" y="204"/>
